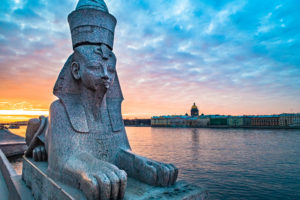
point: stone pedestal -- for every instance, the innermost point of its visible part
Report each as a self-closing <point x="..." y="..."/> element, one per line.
<point x="43" y="187"/>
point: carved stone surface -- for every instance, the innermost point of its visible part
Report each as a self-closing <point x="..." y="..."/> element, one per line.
<point x="85" y="139"/>
<point x="43" y="187"/>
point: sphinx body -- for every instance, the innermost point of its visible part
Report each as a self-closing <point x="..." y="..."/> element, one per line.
<point x="84" y="140"/>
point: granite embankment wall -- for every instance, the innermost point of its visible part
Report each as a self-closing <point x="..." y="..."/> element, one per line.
<point x="11" y="183"/>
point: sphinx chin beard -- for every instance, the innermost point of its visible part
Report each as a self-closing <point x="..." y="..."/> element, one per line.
<point x="99" y="96"/>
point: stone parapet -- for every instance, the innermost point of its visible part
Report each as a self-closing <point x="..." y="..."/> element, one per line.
<point x="16" y="188"/>
<point x="43" y="187"/>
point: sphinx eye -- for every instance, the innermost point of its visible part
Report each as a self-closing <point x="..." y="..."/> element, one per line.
<point x="111" y="69"/>
<point x="94" y="67"/>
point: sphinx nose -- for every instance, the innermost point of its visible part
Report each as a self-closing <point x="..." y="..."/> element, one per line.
<point x="105" y="77"/>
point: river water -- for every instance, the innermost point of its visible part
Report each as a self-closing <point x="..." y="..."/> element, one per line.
<point x="230" y="163"/>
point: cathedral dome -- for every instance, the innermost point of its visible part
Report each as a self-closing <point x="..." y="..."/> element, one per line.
<point x="194" y="110"/>
<point x="194" y="106"/>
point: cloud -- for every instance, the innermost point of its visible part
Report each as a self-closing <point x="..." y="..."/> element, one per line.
<point x="231" y="57"/>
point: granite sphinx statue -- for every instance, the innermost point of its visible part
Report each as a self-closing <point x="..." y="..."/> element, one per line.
<point x="84" y="139"/>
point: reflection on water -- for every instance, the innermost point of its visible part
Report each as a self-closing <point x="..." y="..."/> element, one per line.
<point x="20" y="131"/>
<point x="17" y="164"/>
<point x="17" y="161"/>
<point x="231" y="163"/>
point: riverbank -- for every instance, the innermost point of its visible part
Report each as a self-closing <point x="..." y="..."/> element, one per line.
<point x="11" y="144"/>
<point x="227" y="127"/>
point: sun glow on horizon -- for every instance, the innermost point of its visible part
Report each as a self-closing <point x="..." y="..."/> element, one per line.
<point x="8" y="116"/>
<point x="24" y="112"/>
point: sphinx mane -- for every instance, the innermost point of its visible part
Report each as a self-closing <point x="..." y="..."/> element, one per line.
<point x="65" y="83"/>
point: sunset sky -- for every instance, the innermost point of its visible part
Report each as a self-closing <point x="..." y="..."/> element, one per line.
<point x="230" y="57"/>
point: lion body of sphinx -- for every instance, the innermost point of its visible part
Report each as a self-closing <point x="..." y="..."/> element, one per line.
<point x="64" y="143"/>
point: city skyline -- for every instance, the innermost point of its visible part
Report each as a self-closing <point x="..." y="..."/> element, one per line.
<point x="230" y="57"/>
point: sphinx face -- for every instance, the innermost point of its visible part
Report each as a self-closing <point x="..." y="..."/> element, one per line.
<point x="97" y="66"/>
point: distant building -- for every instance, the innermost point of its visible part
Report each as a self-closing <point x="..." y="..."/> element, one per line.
<point x="171" y="121"/>
<point x="226" y="121"/>
<point x="179" y="121"/>
<point x="247" y="121"/>
<point x="265" y="120"/>
<point x="161" y="121"/>
<point x="137" y="122"/>
<point x="194" y="111"/>
<point x="296" y="120"/>
<point x="218" y="120"/>
<point x="289" y="120"/>
<point x="235" y="121"/>
<point x="202" y="121"/>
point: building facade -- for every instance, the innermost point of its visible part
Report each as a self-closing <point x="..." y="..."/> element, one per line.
<point x="289" y="120"/>
<point x="235" y="121"/>
<point x="199" y="121"/>
<point x="246" y="121"/>
<point x="267" y="120"/>
<point x="218" y="121"/>
<point x="296" y="120"/>
<point x="161" y="121"/>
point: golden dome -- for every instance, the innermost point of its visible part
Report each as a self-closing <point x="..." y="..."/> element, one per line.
<point x="194" y="106"/>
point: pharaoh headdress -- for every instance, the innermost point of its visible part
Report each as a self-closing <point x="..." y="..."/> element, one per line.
<point x="90" y="24"/>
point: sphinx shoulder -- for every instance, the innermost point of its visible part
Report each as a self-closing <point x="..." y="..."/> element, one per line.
<point x="68" y="114"/>
<point x="57" y="114"/>
<point x="56" y="108"/>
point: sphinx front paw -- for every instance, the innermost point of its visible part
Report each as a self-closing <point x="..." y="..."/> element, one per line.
<point x="156" y="173"/>
<point x="97" y="179"/>
<point x="104" y="185"/>
<point x="146" y="170"/>
<point x="112" y="182"/>
<point x="39" y="153"/>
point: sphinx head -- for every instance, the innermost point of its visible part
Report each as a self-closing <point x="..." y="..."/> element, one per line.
<point x="90" y="67"/>
<point x="94" y="67"/>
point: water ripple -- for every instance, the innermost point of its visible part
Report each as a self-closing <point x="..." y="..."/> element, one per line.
<point x="231" y="163"/>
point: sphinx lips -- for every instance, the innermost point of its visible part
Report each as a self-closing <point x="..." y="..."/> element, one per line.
<point x="106" y="84"/>
<point x="102" y="84"/>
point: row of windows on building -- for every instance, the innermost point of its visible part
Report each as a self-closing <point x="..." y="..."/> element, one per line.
<point x="283" y="120"/>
